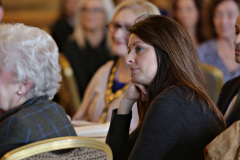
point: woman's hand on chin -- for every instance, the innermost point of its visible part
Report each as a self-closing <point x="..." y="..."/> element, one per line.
<point x="133" y="93"/>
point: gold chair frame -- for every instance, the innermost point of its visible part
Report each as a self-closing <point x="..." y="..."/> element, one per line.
<point x="70" y="84"/>
<point x="54" y="144"/>
<point x="218" y="75"/>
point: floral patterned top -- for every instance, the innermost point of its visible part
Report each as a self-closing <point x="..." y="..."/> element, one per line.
<point x="208" y="54"/>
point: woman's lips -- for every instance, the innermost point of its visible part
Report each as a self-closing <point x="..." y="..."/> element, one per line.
<point x="133" y="69"/>
<point x="118" y="43"/>
<point x="237" y="52"/>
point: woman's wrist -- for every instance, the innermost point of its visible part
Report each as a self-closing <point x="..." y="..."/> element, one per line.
<point x="125" y="106"/>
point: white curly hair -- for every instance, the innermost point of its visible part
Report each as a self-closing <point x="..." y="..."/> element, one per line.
<point x="32" y="55"/>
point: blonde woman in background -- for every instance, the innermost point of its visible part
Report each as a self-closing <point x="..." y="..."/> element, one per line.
<point x="63" y="27"/>
<point x="105" y="90"/>
<point x="87" y="50"/>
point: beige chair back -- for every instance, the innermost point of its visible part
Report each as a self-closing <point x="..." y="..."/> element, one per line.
<point x="214" y="81"/>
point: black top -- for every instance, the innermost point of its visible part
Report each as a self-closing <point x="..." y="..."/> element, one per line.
<point x="86" y="61"/>
<point x="61" y="31"/>
<point x="229" y="90"/>
<point x="174" y="128"/>
<point x="35" y="120"/>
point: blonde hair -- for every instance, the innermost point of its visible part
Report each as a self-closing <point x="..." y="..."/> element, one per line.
<point x="139" y="7"/>
<point x="78" y="33"/>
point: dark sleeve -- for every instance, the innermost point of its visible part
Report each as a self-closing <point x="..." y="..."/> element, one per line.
<point x="229" y="90"/>
<point x="118" y="134"/>
<point x="161" y="130"/>
<point x="221" y="99"/>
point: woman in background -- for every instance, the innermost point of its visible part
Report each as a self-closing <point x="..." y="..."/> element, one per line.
<point x="88" y="49"/>
<point x="219" y="50"/>
<point x="188" y="13"/>
<point x="228" y="101"/>
<point x="105" y="90"/>
<point x="29" y="79"/>
<point x="177" y="119"/>
<point x="63" y="27"/>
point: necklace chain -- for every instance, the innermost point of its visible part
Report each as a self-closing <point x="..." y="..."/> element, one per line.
<point x="109" y="95"/>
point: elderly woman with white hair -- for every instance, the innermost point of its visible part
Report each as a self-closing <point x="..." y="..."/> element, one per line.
<point x="29" y="77"/>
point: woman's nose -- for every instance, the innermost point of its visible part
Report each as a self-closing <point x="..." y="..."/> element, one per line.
<point x="129" y="59"/>
<point x="237" y="39"/>
<point x="119" y="33"/>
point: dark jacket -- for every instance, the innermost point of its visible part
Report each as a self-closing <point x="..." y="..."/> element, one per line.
<point x="229" y="90"/>
<point x="35" y="120"/>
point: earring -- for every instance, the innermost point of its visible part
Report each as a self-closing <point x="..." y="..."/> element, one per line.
<point x="19" y="92"/>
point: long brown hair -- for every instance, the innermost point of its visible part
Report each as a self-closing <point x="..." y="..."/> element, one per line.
<point x="178" y="63"/>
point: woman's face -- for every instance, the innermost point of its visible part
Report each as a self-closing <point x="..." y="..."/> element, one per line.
<point x="118" y="31"/>
<point x="237" y="40"/>
<point x="224" y="19"/>
<point x="187" y="13"/>
<point x="93" y="15"/>
<point x="142" y="60"/>
<point x="8" y="91"/>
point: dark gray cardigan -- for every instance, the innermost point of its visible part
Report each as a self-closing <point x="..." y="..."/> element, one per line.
<point x="173" y="128"/>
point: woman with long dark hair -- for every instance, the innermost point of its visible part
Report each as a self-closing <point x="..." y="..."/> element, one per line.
<point x="177" y="119"/>
<point x="188" y="13"/>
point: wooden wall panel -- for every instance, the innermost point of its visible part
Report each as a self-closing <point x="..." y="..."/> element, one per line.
<point x="40" y="13"/>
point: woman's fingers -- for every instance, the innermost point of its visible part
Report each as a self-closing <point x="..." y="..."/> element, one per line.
<point x="141" y="87"/>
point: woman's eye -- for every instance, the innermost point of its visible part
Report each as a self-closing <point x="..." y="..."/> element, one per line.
<point x="139" y="49"/>
<point x="129" y="50"/>
<point x="237" y="31"/>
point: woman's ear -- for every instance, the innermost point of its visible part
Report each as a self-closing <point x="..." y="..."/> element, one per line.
<point x="25" y="87"/>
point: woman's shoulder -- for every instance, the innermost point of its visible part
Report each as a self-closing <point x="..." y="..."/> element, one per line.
<point x="207" y="46"/>
<point x="105" y="69"/>
<point x="71" y="47"/>
<point x="173" y="96"/>
<point x="100" y="78"/>
<point x="177" y="96"/>
<point x="211" y="42"/>
<point x="173" y="92"/>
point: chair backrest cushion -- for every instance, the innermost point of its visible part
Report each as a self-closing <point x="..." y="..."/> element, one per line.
<point x="214" y="81"/>
<point x="78" y="153"/>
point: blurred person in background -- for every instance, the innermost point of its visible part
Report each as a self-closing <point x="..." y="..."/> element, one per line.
<point x="188" y="13"/>
<point x="29" y="79"/>
<point x="219" y="51"/>
<point x="63" y="27"/>
<point x="87" y="50"/>
<point x="107" y="86"/>
<point x="1" y="11"/>
<point x="164" y="6"/>
<point x="228" y="101"/>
